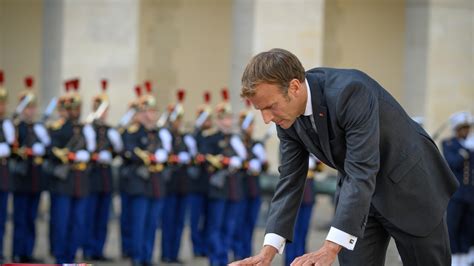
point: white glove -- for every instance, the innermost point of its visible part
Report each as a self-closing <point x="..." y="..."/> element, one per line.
<point x="235" y="162"/>
<point x="255" y="166"/>
<point x="311" y="163"/>
<point x="38" y="149"/>
<point x="184" y="157"/>
<point x="4" y="150"/>
<point x="104" y="157"/>
<point x="82" y="156"/>
<point x="161" y="155"/>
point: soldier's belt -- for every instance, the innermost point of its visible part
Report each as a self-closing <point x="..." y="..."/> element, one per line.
<point x="156" y="168"/>
<point x="79" y="166"/>
<point x="38" y="160"/>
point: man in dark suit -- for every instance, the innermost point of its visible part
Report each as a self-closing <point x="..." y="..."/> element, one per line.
<point x="392" y="182"/>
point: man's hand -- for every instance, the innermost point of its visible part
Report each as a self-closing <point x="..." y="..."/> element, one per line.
<point x="323" y="257"/>
<point x="264" y="258"/>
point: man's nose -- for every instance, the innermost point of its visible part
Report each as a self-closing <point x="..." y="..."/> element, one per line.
<point x="267" y="116"/>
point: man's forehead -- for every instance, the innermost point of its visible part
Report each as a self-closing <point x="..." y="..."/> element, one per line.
<point x="264" y="95"/>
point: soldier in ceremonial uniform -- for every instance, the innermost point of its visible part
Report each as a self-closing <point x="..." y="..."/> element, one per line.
<point x="303" y="220"/>
<point x="71" y="147"/>
<point x="141" y="177"/>
<point x="181" y="170"/>
<point x="7" y="138"/>
<point x="257" y="163"/>
<point x="198" y="188"/>
<point x="460" y="214"/>
<point x="109" y="144"/>
<point x="28" y="181"/>
<point x="125" y="231"/>
<point x="225" y="187"/>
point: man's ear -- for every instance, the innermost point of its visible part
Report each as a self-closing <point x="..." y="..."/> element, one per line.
<point x="294" y="87"/>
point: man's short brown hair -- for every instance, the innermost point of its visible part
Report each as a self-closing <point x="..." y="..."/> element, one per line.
<point x="277" y="67"/>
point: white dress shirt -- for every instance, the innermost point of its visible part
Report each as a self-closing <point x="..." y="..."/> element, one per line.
<point x="335" y="235"/>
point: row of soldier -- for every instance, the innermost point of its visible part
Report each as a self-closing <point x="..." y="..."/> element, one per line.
<point x="211" y="172"/>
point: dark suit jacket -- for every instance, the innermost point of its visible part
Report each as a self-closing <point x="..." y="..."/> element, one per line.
<point x="383" y="158"/>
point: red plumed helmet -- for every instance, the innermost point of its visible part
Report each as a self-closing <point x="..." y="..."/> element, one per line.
<point x="29" y="82"/>
<point x="1" y="77"/>
<point x="181" y="94"/>
<point x="225" y="94"/>
<point x="207" y="97"/>
<point x="104" y="83"/>
<point x="75" y="84"/>
<point x="67" y="85"/>
<point x="148" y="86"/>
<point x="138" y="91"/>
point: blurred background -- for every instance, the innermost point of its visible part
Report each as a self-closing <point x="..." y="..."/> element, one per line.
<point x="421" y="51"/>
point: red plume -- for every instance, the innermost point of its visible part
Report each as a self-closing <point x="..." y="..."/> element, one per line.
<point x="181" y="94"/>
<point x="1" y="77"/>
<point x="75" y="84"/>
<point x="29" y="82"/>
<point x="67" y="85"/>
<point x="148" y="86"/>
<point x="138" y="91"/>
<point x="207" y="97"/>
<point x="104" y="85"/>
<point x="225" y="94"/>
<point x="247" y="103"/>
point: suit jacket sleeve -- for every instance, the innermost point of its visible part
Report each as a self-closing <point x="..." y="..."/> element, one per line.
<point x="358" y="114"/>
<point x="289" y="192"/>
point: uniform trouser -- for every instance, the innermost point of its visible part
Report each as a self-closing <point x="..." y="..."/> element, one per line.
<point x="370" y="250"/>
<point x="216" y="252"/>
<point x="125" y="224"/>
<point x="174" y="212"/>
<point x="3" y="217"/>
<point x="136" y="216"/>
<point x="460" y="225"/>
<point x="153" y="216"/>
<point x="298" y="246"/>
<point x="98" y="211"/>
<point x="197" y="207"/>
<point x="69" y="218"/>
<point x="25" y="210"/>
<point x="233" y="210"/>
<point x="246" y="225"/>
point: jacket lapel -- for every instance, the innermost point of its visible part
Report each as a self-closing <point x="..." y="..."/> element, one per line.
<point x="320" y="115"/>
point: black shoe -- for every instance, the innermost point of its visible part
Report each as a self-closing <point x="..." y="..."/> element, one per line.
<point x="147" y="264"/>
<point x="33" y="260"/>
<point x="102" y="259"/>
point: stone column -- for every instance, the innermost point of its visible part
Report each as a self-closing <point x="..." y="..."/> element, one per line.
<point x="20" y="44"/>
<point x="295" y="25"/>
<point x="440" y="60"/>
<point x="100" y="40"/>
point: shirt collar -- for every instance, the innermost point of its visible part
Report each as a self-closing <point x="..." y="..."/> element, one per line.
<point x="309" y="107"/>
